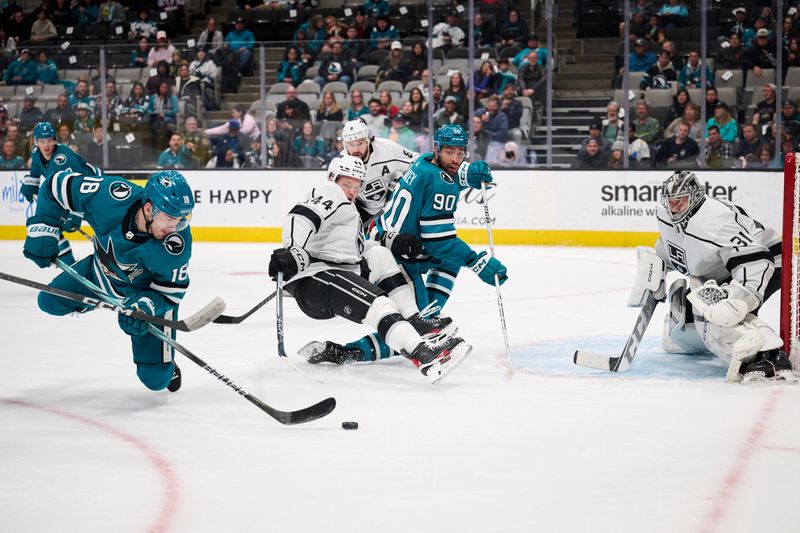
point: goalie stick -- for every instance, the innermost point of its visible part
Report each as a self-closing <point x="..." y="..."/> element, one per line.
<point x="300" y="416"/>
<point x="191" y="323"/>
<point x="623" y="362"/>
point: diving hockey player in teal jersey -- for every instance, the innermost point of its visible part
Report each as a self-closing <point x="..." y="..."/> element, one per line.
<point x="142" y="248"/>
<point x="423" y="206"/>
<point x="47" y="158"/>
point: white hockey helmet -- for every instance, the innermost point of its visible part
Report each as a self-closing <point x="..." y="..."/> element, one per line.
<point x="349" y="166"/>
<point x="682" y="195"/>
<point x="354" y="129"/>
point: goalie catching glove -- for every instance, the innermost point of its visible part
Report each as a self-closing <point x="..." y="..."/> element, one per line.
<point x="403" y="244"/>
<point x="724" y="306"/>
<point x="487" y="268"/>
<point x="291" y="261"/>
<point x="650" y="276"/>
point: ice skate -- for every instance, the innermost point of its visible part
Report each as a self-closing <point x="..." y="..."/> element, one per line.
<point x="316" y="352"/>
<point x="175" y="382"/>
<point x="436" y="361"/>
<point x="773" y="365"/>
<point x="433" y="329"/>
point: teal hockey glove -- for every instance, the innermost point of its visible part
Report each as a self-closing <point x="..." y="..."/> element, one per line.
<point x="30" y="187"/>
<point x="41" y="243"/>
<point x="144" y="303"/>
<point x="487" y="268"/>
<point x="474" y="173"/>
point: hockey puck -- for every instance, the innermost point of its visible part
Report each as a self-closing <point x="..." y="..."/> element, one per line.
<point x="349" y="425"/>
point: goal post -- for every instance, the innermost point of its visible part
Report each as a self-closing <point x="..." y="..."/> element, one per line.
<point x="790" y="260"/>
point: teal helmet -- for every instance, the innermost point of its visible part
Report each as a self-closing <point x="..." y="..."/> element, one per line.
<point x="43" y="130"/>
<point x="451" y="135"/>
<point x="169" y="193"/>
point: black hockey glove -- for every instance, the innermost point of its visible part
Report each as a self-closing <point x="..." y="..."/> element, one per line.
<point x="402" y="244"/>
<point x="290" y="261"/>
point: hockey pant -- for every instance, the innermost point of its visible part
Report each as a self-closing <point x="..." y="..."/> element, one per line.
<point x="346" y="294"/>
<point x="153" y="358"/>
<point x="695" y="334"/>
<point x="434" y="290"/>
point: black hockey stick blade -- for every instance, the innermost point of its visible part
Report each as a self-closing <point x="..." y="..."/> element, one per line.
<point x="290" y="418"/>
<point x="227" y="319"/>
<point x="624" y="361"/>
<point x="191" y="323"/>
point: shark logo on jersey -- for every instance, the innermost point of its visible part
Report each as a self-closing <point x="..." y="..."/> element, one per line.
<point x="174" y="244"/>
<point x="120" y="190"/>
<point x="677" y="256"/>
<point x="374" y="190"/>
<point x="446" y="178"/>
<point x="111" y="267"/>
<point x="60" y="159"/>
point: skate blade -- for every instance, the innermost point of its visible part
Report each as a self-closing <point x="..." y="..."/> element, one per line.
<point x="439" y="371"/>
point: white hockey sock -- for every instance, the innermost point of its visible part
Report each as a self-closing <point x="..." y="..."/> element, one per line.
<point x="385" y="317"/>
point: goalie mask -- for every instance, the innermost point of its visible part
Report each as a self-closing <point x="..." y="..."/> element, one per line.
<point x="682" y="195"/>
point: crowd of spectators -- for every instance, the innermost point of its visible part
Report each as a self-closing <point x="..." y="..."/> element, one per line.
<point x="741" y="129"/>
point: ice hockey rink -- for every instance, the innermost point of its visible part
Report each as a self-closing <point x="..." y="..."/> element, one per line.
<point x="666" y="447"/>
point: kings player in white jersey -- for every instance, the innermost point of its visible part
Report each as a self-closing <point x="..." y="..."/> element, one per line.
<point x="732" y="262"/>
<point x="385" y="161"/>
<point x="331" y="271"/>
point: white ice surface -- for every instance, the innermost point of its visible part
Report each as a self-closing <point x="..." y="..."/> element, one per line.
<point x="668" y="447"/>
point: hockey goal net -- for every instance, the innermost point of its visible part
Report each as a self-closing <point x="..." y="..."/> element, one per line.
<point x="790" y="264"/>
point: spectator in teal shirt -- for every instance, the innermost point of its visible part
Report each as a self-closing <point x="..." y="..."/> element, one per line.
<point x="383" y="34"/>
<point x="309" y="144"/>
<point x="9" y="160"/>
<point x="241" y="41"/>
<point x="177" y="155"/>
<point x="722" y="119"/>
<point x="21" y="71"/>
<point x="46" y="70"/>
<point x="376" y="8"/>
<point x="533" y="46"/>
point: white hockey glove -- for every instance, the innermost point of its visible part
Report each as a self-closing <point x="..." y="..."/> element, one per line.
<point x="650" y="275"/>
<point x="724" y="306"/>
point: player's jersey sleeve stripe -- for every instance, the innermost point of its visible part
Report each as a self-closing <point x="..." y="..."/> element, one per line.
<point x="441" y="236"/>
<point x="744" y="259"/>
<point x="442" y="218"/>
<point x="305" y="212"/>
<point x="61" y="189"/>
<point x="438" y="222"/>
<point x="172" y="293"/>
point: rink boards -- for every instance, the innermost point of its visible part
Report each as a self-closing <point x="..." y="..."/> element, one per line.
<point x="597" y="208"/>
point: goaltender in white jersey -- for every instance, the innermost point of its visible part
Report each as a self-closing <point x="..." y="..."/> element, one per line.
<point x="385" y="160"/>
<point x="733" y="265"/>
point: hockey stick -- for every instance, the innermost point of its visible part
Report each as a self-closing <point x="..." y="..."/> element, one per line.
<point x="308" y="414"/>
<point x="623" y="362"/>
<point x="496" y="279"/>
<point x="226" y="319"/>
<point x="279" y="328"/>
<point x="191" y="323"/>
<point x="218" y="318"/>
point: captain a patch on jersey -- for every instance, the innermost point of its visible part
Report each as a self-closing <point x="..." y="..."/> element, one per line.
<point x="60" y="159"/>
<point x="174" y="243"/>
<point x="120" y="190"/>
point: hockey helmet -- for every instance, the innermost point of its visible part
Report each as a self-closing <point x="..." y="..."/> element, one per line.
<point x="355" y="129"/>
<point x="450" y="135"/>
<point x="169" y="193"/>
<point x="43" y="130"/>
<point x="681" y="195"/>
<point x="349" y="166"/>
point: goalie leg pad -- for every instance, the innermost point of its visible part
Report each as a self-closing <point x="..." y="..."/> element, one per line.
<point x="679" y="334"/>
<point x="737" y="345"/>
